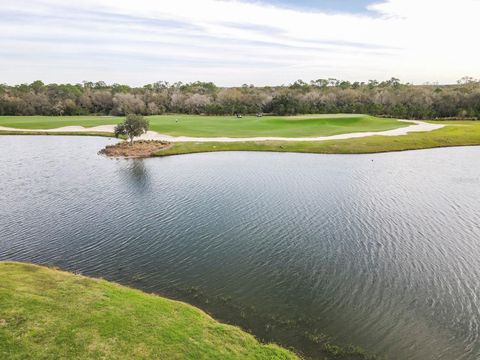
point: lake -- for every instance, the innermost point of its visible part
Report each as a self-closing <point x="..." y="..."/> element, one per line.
<point x="381" y="251"/>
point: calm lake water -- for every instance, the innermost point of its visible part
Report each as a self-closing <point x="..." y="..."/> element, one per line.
<point x="382" y="251"/>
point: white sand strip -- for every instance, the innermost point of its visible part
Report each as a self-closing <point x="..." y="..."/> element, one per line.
<point x="417" y="126"/>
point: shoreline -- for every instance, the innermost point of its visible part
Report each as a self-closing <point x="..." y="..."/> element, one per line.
<point x="67" y="284"/>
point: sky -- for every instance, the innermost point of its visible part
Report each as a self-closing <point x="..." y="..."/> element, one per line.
<point x="235" y="42"/>
<point x="332" y="6"/>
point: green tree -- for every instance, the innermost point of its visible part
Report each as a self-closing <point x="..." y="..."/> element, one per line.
<point x="133" y="126"/>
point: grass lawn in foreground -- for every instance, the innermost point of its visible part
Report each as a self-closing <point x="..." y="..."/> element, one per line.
<point x="49" y="314"/>
<point x="223" y="126"/>
<point x="456" y="133"/>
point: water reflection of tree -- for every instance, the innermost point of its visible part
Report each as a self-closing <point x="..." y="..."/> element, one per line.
<point x="136" y="175"/>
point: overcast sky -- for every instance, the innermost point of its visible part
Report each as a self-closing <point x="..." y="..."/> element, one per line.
<point x="235" y="42"/>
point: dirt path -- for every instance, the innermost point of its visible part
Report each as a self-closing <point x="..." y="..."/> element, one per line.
<point x="417" y="126"/>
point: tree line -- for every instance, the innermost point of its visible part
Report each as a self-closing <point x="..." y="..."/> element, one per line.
<point x="387" y="98"/>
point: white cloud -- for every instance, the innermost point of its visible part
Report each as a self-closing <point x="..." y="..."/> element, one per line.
<point x="233" y="42"/>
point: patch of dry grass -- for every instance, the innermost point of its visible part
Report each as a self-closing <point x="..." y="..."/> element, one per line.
<point x="137" y="149"/>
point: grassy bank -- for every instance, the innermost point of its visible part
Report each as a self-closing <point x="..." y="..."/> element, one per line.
<point x="457" y="133"/>
<point x="49" y="314"/>
<point x="223" y="126"/>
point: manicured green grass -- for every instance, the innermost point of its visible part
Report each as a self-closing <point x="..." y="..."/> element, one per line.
<point x="49" y="314"/>
<point x="457" y="133"/>
<point x="226" y="126"/>
<point x="53" y="122"/>
<point x="251" y="126"/>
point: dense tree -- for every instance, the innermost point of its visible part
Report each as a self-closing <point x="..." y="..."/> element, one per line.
<point x="385" y="98"/>
<point x="133" y="126"/>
